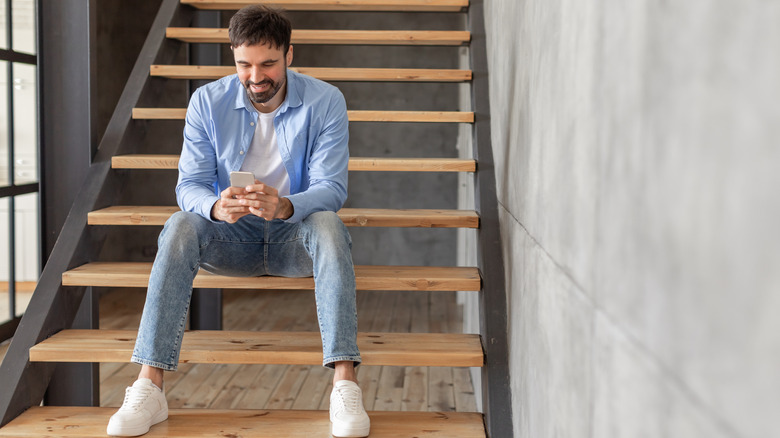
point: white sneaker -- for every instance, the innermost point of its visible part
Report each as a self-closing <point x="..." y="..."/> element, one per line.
<point x="144" y="406"/>
<point x="347" y="416"/>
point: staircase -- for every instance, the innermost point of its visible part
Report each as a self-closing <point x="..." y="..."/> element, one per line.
<point x="45" y="336"/>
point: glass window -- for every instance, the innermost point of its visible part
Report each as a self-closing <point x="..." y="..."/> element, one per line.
<point x="27" y="265"/>
<point x="25" y="132"/>
<point x="20" y="80"/>
<point x="4" y="312"/>
<point x="4" y="165"/>
<point x="23" y="21"/>
<point x="3" y="25"/>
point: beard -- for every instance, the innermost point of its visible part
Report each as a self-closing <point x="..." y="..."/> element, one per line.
<point x="266" y="95"/>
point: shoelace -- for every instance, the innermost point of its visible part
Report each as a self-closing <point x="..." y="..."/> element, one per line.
<point x="350" y="401"/>
<point x="135" y="397"/>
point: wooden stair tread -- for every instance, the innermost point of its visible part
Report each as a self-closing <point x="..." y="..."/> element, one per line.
<point x="354" y="116"/>
<point x="322" y="73"/>
<point x="352" y="217"/>
<point x="319" y="36"/>
<point x="338" y="5"/>
<point x="147" y="161"/>
<point x="88" y="422"/>
<point x="293" y="348"/>
<point x="401" y="278"/>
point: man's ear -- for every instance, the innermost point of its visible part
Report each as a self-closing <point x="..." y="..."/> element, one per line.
<point x="289" y="55"/>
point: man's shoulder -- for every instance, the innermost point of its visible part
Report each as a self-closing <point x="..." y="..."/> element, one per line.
<point x="311" y="89"/>
<point x="221" y="89"/>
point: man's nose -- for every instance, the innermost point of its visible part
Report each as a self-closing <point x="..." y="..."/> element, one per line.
<point x="256" y="75"/>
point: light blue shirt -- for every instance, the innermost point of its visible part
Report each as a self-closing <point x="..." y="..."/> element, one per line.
<point x="311" y="130"/>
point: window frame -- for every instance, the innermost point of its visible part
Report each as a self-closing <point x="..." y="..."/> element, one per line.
<point x="12" y="190"/>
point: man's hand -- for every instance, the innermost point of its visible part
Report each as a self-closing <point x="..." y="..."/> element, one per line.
<point x="228" y="208"/>
<point x="264" y="201"/>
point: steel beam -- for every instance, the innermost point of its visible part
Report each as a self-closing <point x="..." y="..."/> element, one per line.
<point x="78" y="384"/>
<point x="67" y="53"/>
<point x="496" y="393"/>
<point x="206" y="304"/>
<point x="206" y="309"/>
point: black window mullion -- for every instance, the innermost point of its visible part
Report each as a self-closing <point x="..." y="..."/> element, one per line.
<point x="9" y="35"/>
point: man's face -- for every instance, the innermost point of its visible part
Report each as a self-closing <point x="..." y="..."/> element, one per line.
<point x="263" y="72"/>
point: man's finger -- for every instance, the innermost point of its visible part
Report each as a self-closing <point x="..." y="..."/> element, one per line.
<point x="263" y="189"/>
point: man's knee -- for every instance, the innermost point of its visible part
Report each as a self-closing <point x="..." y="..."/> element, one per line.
<point x="182" y="224"/>
<point x="327" y="225"/>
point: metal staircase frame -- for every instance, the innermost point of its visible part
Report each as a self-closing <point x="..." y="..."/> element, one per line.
<point x="54" y="307"/>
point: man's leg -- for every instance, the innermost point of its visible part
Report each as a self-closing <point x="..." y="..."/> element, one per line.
<point x="321" y="245"/>
<point x="187" y="242"/>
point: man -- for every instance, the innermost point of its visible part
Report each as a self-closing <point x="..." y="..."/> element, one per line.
<point x="290" y="130"/>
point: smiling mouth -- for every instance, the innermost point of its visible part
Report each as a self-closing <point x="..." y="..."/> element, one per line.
<point x="260" y="87"/>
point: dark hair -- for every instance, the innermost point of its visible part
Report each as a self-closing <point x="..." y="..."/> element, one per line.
<point x="259" y="24"/>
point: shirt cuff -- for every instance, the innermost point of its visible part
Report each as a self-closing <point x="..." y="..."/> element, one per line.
<point x="205" y="207"/>
<point x="299" y="211"/>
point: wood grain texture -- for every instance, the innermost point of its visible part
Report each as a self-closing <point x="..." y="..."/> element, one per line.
<point x="295" y="348"/>
<point x="352" y="217"/>
<point x="354" y="116"/>
<point x="256" y="386"/>
<point x="333" y="36"/>
<point x="339" y="5"/>
<point x="323" y="73"/>
<point x="401" y="278"/>
<point x="87" y="422"/>
<point x="146" y="161"/>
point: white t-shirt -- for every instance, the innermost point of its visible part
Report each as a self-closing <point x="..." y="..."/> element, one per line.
<point x="263" y="157"/>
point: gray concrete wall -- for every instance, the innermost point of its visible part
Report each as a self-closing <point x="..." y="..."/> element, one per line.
<point x="638" y="172"/>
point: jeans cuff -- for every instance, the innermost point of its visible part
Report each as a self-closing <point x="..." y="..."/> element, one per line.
<point x="151" y="363"/>
<point x="331" y="361"/>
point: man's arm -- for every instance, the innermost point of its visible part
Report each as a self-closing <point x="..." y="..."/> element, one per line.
<point x="198" y="163"/>
<point x="327" y="165"/>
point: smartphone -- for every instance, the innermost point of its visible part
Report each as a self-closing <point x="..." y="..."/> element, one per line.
<point x="241" y="179"/>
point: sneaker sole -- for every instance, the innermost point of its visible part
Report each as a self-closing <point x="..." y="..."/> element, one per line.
<point x="138" y="430"/>
<point x="347" y="432"/>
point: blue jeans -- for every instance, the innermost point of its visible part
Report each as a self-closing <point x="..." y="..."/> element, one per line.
<point x="319" y="245"/>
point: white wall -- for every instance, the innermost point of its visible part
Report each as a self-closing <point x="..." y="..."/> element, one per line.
<point x="637" y="147"/>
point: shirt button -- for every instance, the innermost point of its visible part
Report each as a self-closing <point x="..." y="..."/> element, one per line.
<point x="251" y="123"/>
<point x="241" y="153"/>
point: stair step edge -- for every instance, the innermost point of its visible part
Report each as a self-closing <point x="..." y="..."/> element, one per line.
<point x="391" y="278"/>
<point x="287" y="348"/>
<point x="88" y="422"/>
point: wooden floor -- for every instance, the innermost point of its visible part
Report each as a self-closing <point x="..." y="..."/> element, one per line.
<point x="24" y="290"/>
<point x="301" y="387"/>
